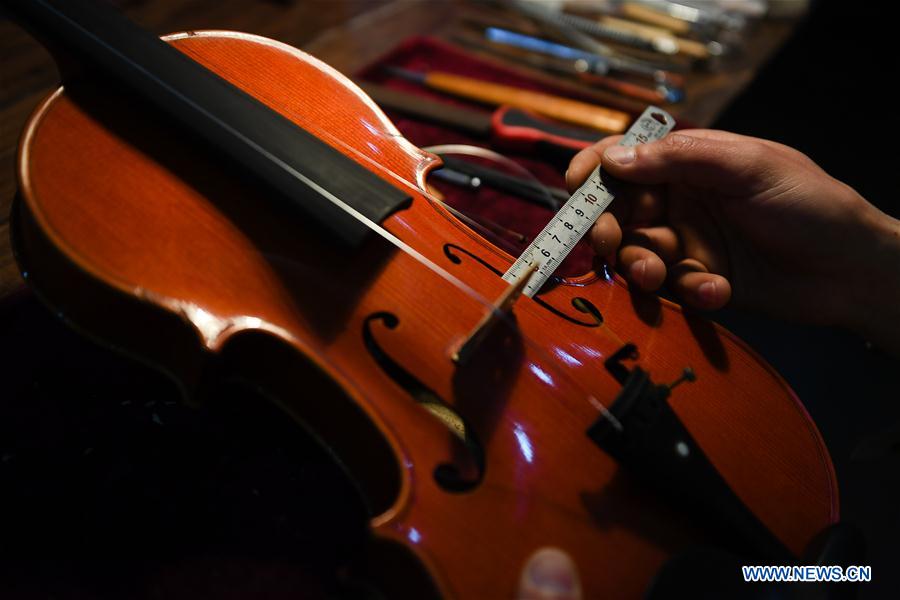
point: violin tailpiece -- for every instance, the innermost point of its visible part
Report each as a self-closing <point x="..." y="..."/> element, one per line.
<point x="656" y="447"/>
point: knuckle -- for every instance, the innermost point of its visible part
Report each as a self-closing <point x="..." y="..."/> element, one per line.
<point x="757" y="152"/>
<point x="675" y="146"/>
<point x="760" y="161"/>
<point x="677" y="142"/>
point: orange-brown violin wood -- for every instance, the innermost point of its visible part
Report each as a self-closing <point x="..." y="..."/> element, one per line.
<point x="137" y="235"/>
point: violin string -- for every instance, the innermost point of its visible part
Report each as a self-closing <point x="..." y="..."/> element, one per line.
<point x="384" y="233"/>
<point x="466" y="288"/>
<point x="484" y="229"/>
<point x="373" y="226"/>
<point x="485" y="153"/>
<point x="443" y="273"/>
<point x="489" y="232"/>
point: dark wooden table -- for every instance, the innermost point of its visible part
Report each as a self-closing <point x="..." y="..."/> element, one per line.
<point x="344" y="33"/>
<point x="352" y="45"/>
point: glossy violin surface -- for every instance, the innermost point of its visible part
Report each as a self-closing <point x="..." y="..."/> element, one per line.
<point x="140" y="235"/>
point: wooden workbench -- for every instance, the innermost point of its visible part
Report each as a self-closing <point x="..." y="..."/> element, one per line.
<point x="345" y="33"/>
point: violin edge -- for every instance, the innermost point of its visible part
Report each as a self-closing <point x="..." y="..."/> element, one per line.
<point x="768" y="366"/>
<point x="424" y="163"/>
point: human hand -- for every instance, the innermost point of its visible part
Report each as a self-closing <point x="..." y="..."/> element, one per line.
<point x="730" y="219"/>
<point x="549" y="574"/>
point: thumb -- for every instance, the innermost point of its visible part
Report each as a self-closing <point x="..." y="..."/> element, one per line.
<point x="549" y="574"/>
<point x="738" y="166"/>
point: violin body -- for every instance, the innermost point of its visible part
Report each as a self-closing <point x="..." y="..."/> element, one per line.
<point x="135" y="233"/>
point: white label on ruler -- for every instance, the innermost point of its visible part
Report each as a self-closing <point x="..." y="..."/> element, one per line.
<point x="578" y="214"/>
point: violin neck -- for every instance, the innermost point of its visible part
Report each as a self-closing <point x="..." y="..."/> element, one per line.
<point x="310" y="175"/>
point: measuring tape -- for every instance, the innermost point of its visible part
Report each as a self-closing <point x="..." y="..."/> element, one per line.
<point x="579" y="213"/>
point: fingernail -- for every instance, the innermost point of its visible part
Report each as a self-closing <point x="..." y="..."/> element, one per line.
<point x="622" y="155"/>
<point x="550" y="571"/>
<point x="707" y="292"/>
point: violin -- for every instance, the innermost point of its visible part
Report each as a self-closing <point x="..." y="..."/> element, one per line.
<point x="220" y="203"/>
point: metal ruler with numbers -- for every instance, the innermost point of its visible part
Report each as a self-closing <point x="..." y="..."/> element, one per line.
<point x="579" y="213"/>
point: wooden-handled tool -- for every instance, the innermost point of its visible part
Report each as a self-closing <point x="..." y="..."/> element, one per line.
<point x="508" y="127"/>
<point x="555" y="107"/>
<point x="652" y="16"/>
<point x="659" y="35"/>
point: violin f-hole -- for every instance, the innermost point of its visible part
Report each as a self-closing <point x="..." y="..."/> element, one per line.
<point x="586" y="306"/>
<point x="450" y="251"/>
<point x="449" y="476"/>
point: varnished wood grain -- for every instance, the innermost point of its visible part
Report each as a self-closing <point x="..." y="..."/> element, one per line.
<point x="28" y="73"/>
<point x="346" y="33"/>
<point x="175" y="233"/>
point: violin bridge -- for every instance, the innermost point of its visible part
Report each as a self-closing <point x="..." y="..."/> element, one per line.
<point x="502" y="306"/>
